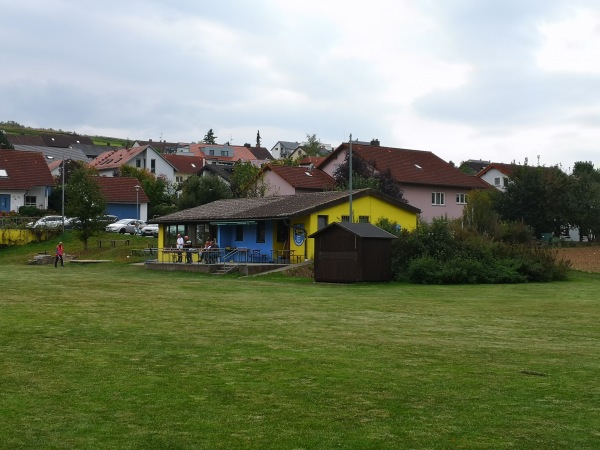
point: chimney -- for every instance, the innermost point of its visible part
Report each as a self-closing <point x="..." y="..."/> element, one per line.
<point x="375" y="142"/>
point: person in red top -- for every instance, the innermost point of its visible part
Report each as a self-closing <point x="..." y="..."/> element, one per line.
<point x="59" y="255"/>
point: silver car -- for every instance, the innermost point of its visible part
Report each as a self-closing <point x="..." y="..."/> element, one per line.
<point x="52" y="222"/>
<point x="150" y="230"/>
<point x="131" y="226"/>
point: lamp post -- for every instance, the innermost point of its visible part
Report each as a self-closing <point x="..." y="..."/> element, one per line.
<point x="62" y="164"/>
<point x="137" y="200"/>
<point x="63" y="193"/>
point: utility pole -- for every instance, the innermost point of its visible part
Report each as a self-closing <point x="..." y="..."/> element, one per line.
<point x="350" y="178"/>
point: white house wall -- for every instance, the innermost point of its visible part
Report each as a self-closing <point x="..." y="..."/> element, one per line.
<point x="17" y="198"/>
<point x="491" y="175"/>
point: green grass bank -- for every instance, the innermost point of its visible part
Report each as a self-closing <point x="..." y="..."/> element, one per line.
<point x="114" y="356"/>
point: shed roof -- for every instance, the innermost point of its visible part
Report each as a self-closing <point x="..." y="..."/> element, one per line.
<point x="363" y="230"/>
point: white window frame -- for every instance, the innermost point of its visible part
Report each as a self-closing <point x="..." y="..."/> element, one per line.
<point x="461" y="198"/>
<point x="438" y="199"/>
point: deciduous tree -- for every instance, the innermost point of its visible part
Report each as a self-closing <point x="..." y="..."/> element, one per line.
<point x="85" y="202"/>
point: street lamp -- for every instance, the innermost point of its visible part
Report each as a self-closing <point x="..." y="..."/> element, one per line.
<point x="137" y="200"/>
<point x="63" y="188"/>
<point x="63" y="192"/>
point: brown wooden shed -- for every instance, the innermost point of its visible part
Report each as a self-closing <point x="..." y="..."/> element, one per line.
<point x="352" y="252"/>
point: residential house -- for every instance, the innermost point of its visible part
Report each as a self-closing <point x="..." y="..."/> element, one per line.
<point x="289" y="180"/>
<point x="25" y="180"/>
<point x="283" y="149"/>
<point x="92" y="151"/>
<point x="164" y="147"/>
<point x="125" y="197"/>
<point x="272" y="227"/>
<point x="300" y="152"/>
<point x="54" y="155"/>
<point x="185" y="166"/>
<point x="230" y="154"/>
<point x="497" y="175"/>
<point x="431" y="184"/>
<point x="221" y="171"/>
<point x="143" y="157"/>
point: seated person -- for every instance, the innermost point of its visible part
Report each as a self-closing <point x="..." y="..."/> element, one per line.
<point x="205" y="252"/>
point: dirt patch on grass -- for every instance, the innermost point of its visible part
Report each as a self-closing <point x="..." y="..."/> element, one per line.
<point x="303" y="270"/>
<point x="584" y="258"/>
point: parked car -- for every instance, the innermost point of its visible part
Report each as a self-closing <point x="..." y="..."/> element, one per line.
<point x="125" y="226"/>
<point x="150" y="230"/>
<point x="108" y="219"/>
<point x="52" y="222"/>
<point x="104" y="220"/>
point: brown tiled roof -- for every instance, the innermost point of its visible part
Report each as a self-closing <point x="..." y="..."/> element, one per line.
<point x="415" y="167"/>
<point x="314" y="160"/>
<point x="24" y="169"/>
<point x="240" y="152"/>
<point x="114" y="160"/>
<point x="260" y="153"/>
<point x="121" y="190"/>
<point x="18" y="139"/>
<point x="64" y="140"/>
<point x="506" y="169"/>
<point x="303" y="178"/>
<point x="185" y="164"/>
<point x="279" y="207"/>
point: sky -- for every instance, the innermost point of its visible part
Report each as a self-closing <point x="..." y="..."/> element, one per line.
<point x="501" y="81"/>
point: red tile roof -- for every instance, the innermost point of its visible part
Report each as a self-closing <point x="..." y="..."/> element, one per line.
<point x="24" y="170"/>
<point x="185" y="164"/>
<point x="240" y="152"/>
<point x="121" y="190"/>
<point x="302" y="178"/>
<point x="314" y="160"/>
<point x="415" y="167"/>
<point x="114" y="160"/>
<point x="506" y="169"/>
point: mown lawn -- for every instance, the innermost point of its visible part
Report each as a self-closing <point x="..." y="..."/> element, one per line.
<point x="114" y="356"/>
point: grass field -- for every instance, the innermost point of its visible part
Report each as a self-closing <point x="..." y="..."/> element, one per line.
<point x="114" y="356"/>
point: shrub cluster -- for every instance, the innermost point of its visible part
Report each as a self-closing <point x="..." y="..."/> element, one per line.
<point x="444" y="253"/>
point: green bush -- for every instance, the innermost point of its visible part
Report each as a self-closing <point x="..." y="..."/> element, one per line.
<point x="444" y="253"/>
<point x="31" y="211"/>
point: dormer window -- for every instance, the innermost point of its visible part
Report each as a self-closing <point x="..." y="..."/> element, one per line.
<point x="3" y="173"/>
<point x="418" y="167"/>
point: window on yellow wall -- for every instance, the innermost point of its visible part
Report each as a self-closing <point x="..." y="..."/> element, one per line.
<point x="345" y="218"/>
<point x="363" y="219"/>
<point x="282" y="231"/>
<point x="322" y="222"/>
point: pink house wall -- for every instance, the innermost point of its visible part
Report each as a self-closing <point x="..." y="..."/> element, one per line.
<point x="420" y="196"/>
<point x="276" y="185"/>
